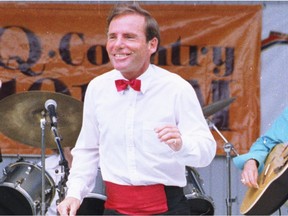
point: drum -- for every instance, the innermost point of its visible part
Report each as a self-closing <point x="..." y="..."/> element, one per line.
<point x="21" y="189"/>
<point x="199" y="202"/>
<point x="93" y="203"/>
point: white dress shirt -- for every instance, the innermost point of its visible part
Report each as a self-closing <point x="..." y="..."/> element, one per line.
<point x="118" y="133"/>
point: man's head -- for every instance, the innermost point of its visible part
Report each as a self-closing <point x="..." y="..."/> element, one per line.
<point x="132" y="38"/>
<point x="152" y="28"/>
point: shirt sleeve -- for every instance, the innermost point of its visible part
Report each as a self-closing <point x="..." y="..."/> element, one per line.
<point x="85" y="154"/>
<point x="199" y="145"/>
<point x="277" y="134"/>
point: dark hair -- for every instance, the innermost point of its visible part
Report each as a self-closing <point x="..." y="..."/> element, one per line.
<point x="152" y="27"/>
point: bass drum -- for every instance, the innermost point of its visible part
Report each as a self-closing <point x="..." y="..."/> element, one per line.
<point x="21" y="189"/>
<point x="93" y="203"/>
<point x="200" y="203"/>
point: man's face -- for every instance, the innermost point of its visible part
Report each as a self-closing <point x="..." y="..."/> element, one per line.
<point x="128" y="50"/>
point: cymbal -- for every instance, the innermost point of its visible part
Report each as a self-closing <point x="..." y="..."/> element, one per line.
<point x="21" y="114"/>
<point x="216" y="106"/>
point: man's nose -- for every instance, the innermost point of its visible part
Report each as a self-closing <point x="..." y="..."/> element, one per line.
<point x="119" y="42"/>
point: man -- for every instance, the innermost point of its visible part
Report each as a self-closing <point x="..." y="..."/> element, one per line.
<point x="142" y="138"/>
<point x="253" y="162"/>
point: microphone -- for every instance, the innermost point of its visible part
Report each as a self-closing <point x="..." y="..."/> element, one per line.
<point x="50" y="106"/>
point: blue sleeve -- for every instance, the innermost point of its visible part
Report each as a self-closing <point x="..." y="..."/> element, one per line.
<point x="278" y="133"/>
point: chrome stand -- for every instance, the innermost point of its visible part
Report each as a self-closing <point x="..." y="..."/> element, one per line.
<point x="61" y="187"/>
<point x="43" y="204"/>
<point x="227" y="148"/>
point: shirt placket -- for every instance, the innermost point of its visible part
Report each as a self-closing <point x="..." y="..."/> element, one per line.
<point x="129" y="131"/>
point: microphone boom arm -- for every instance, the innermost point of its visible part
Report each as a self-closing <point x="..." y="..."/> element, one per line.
<point x="63" y="162"/>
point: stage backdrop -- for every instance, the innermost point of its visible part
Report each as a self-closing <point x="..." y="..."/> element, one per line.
<point x="61" y="47"/>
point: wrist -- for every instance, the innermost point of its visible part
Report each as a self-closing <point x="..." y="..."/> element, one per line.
<point x="254" y="161"/>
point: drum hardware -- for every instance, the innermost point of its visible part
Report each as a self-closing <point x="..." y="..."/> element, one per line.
<point x="18" y="123"/>
<point x="19" y="182"/>
<point x="61" y="187"/>
<point x="21" y="190"/>
<point x="43" y="147"/>
<point x="8" y="169"/>
<point x="227" y="148"/>
<point x="210" y="110"/>
<point x="63" y="162"/>
<point x="28" y="170"/>
<point x="199" y="202"/>
<point x="216" y="106"/>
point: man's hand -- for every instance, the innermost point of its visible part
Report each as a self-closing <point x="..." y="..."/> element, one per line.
<point x="68" y="207"/>
<point x="170" y="135"/>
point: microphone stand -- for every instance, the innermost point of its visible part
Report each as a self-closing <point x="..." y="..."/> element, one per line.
<point x="63" y="162"/>
<point x="42" y="126"/>
<point x="227" y="148"/>
<point x="1" y="159"/>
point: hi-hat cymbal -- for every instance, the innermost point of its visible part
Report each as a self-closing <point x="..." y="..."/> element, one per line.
<point x="216" y="106"/>
<point x="21" y="114"/>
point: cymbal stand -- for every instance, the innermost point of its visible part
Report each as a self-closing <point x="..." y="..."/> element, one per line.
<point x="227" y="148"/>
<point x="42" y="126"/>
<point x="63" y="162"/>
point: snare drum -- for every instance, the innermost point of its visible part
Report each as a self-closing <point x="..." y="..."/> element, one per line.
<point x="21" y="189"/>
<point x="199" y="202"/>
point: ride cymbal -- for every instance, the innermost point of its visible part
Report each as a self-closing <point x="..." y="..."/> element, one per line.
<point x="21" y="114"/>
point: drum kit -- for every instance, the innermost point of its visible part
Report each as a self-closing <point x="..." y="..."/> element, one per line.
<point x="27" y="189"/>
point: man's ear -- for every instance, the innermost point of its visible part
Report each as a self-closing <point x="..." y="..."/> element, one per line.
<point x="153" y="44"/>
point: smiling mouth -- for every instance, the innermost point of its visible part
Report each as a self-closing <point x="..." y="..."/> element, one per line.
<point x="122" y="55"/>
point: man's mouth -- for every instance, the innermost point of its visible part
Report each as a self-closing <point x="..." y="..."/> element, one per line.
<point x="122" y="55"/>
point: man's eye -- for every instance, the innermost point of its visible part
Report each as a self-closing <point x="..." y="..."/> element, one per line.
<point x="130" y="36"/>
<point x="111" y="37"/>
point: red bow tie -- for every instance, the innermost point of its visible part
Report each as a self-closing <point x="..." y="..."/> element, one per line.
<point x="122" y="84"/>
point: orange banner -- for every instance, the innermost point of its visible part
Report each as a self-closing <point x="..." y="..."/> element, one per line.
<point x="61" y="47"/>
